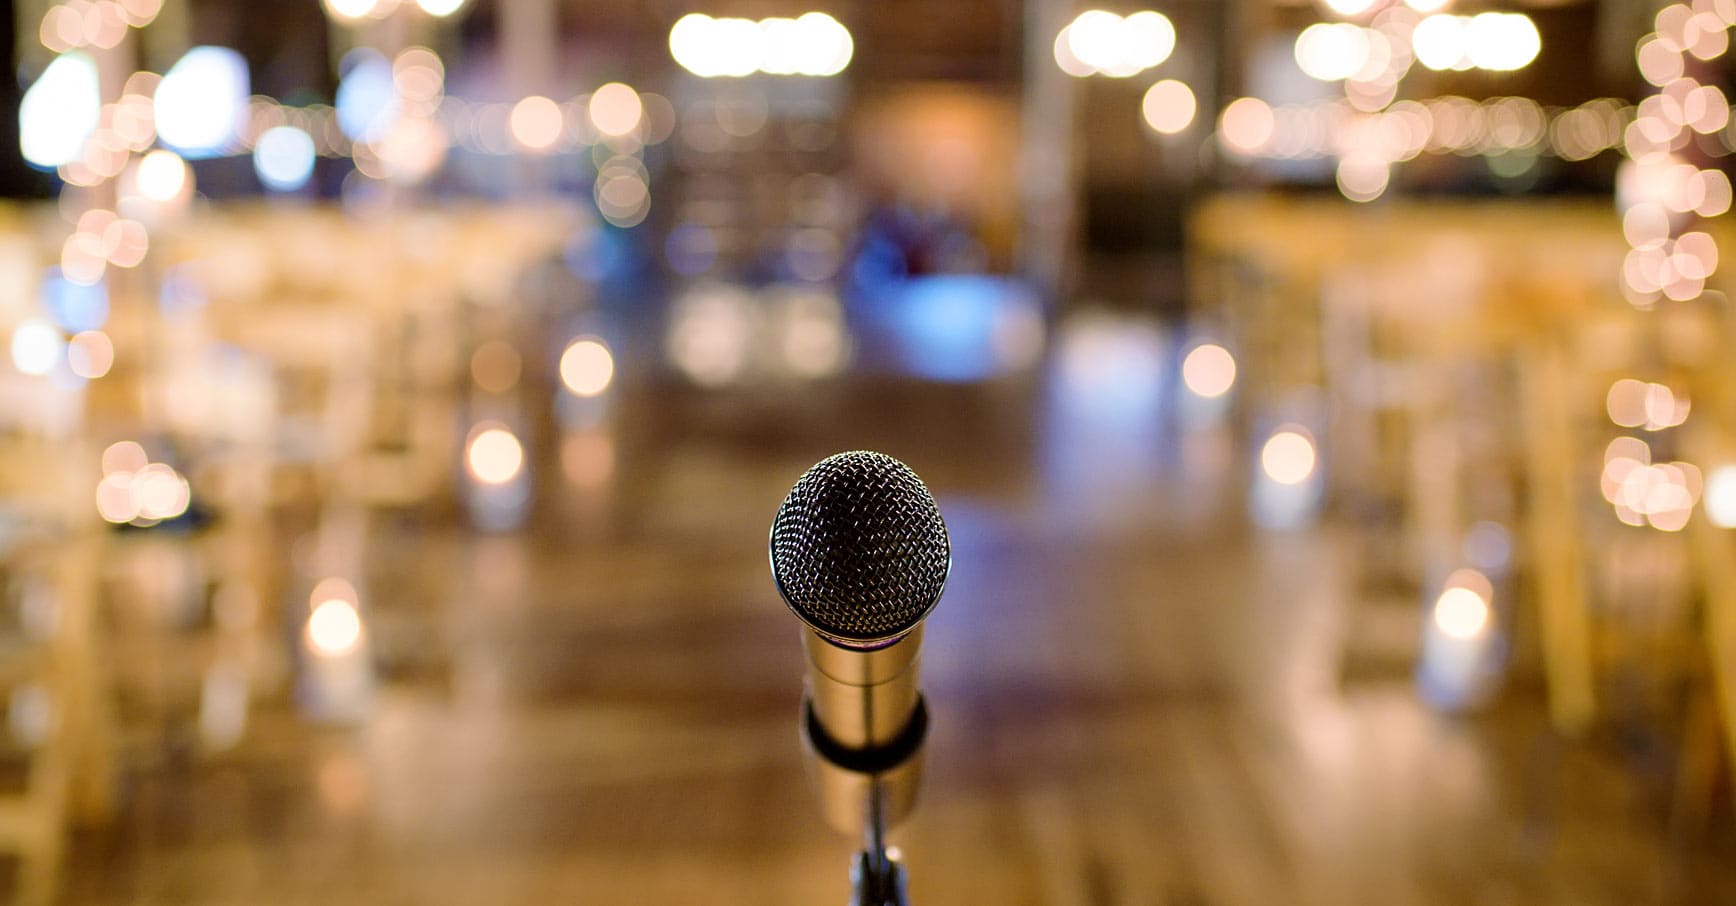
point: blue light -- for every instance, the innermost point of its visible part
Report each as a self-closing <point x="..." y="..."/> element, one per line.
<point x="959" y="327"/>
<point x="691" y="249"/>
<point x="283" y="158"/>
<point x="594" y="254"/>
<point x="367" y="99"/>
<point x="72" y="306"/>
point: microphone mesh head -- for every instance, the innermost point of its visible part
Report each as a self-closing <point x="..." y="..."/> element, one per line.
<point x="859" y="550"/>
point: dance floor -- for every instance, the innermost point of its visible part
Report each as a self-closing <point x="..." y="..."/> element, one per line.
<point x="1137" y="697"/>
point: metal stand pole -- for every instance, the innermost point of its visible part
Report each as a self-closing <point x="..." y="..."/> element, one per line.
<point x="876" y="875"/>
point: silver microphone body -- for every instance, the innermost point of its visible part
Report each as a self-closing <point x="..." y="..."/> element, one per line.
<point x="864" y="699"/>
<point x="864" y="726"/>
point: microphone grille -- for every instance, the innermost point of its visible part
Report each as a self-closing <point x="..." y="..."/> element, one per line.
<point x="858" y="548"/>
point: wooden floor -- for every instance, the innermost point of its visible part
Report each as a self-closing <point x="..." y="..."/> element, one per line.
<point x="1138" y="699"/>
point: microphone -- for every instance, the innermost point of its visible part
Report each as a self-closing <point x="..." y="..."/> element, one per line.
<point x="860" y="554"/>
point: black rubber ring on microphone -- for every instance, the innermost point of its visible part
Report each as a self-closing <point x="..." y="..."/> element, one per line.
<point x="877" y="760"/>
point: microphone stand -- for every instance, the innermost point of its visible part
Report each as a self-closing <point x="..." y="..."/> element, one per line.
<point x="876" y="874"/>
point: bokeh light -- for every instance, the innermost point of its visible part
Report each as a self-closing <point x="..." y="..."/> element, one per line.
<point x="334" y="627"/>
<point x="201" y="101"/>
<point x="1332" y="52"/>
<point x="813" y="44"/>
<point x="535" y="123"/>
<point x="36" y="346"/>
<point x="345" y="10"/>
<point x="59" y="111"/>
<point x="1208" y="370"/>
<point x="90" y="354"/>
<point x="162" y="176"/>
<point x="1288" y="456"/>
<point x="1098" y="42"/>
<point x="494" y="454"/>
<point x="615" y="109"/>
<point x="1461" y="613"/>
<point x="1498" y="42"/>
<point x="367" y="99"/>
<point x="1720" y="496"/>
<point x="124" y="456"/>
<point x="283" y="158"/>
<point x="1246" y="125"/>
<point x="1349" y="7"/>
<point x="1168" y="106"/>
<point x="587" y="367"/>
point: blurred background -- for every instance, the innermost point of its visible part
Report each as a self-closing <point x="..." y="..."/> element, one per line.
<point x="1331" y="403"/>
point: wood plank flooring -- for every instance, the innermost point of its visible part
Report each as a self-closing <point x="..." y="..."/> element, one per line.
<point x="1137" y="701"/>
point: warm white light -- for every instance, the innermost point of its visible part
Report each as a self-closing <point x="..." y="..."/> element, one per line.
<point x="162" y="175"/>
<point x="622" y="196"/>
<point x="1626" y="402"/>
<point x="1209" y="370"/>
<point x="123" y="456"/>
<point x="114" y="498"/>
<point x="140" y="13"/>
<point x="1246" y="125"/>
<point x="1664" y="408"/>
<point x="1461" y="613"/>
<point x="1095" y="40"/>
<point x="36" y="347"/>
<point x="1499" y="42"/>
<point x="1168" y="106"/>
<point x="440" y="8"/>
<point x="738" y="47"/>
<point x="692" y="45"/>
<point x="1148" y="38"/>
<point x="827" y="45"/>
<point x="1349" y="7"/>
<point x="1363" y="177"/>
<point x="535" y="123"/>
<point x="283" y="158"/>
<point x="1715" y="195"/>
<point x="814" y="44"/>
<point x="1657" y="62"/>
<point x="1439" y="42"/>
<point x="1695" y="255"/>
<point x="615" y="109"/>
<point x="1502" y="42"/>
<point x="710" y="331"/>
<point x="1427" y="6"/>
<point x="1064" y="57"/>
<point x="125" y="241"/>
<point x="201" y="101"/>
<point x="1098" y="41"/>
<point x="59" y="111"/>
<point x="782" y="38"/>
<point x="1288" y="457"/>
<point x="411" y="149"/>
<point x="494" y="454"/>
<point x="1720" y="496"/>
<point x="160" y="492"/>
<point x="90" y="354"/>
<point x="350" y="9"/>
<point x="1332" y="52"/>
<point x="586" y="367"/>
<point x="334" y="627"/>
